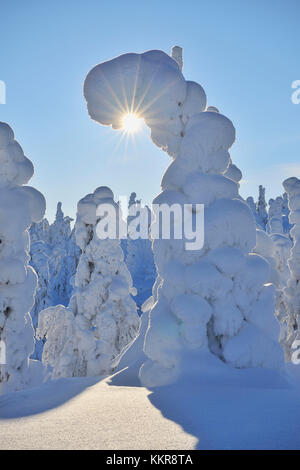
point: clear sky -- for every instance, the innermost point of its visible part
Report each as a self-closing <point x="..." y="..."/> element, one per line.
<point x="245" y="54"/>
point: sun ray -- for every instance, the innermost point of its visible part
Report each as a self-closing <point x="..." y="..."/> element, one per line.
<point x="113" y="93"/>
<point x="132" y="107"/>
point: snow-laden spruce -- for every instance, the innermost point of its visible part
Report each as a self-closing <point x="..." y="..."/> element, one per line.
<point x="275" y="224"/>
<point x="259" y="208"/>
<point x="54" y="256"/>
<point x="262" y="213"/>
<point x="292" y="291"/>
<point x="282" y="245"/>
<point x="285" y="214"/>
<point x="216" y="298"/>
<point x="20" y="205"/>
<point x="101" y="319"/>
<point x="262" y="206"/>
<point x="60" y="230"/>
<point x="139" y="254"/>
<point x="40" y="254"/>
<point x="275" y="248"/>
<point x="59" y="248"/>
<point x="213" y="299"/>
<point x="265" y="248"/>
<point x="103" y="283"/>
<point x="252" y="205"/>
<point x="274" y="218"/>
<point x="40" y="231"/>
<point x="64" y="258"/>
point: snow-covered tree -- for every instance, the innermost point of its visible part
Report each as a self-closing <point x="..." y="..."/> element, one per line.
<point x="20" y="205"/>
<point x="103" y="282"/>
<point x="63" y="260"/>
<point x="139" y="255"/>
<point x="40" y="231"/>
<point x="216" y="298"/>
<point x="275" y="224"/>
<point x="275" y="248"/>
<point x="85" y="338"/>
<point x="54" y="256"/>
<point x="292" y="291"/>
<point x="261" y="208"/>
<point x="252" y="205"/>
<point x="281" y="253"/>
<point x="285" y="215"/>
<point x="59" y="250"/>
<point x="265" y="248"/>
<point x="273" y="219"/>
<point x="40" y="253"/>
<point x="73" y="255"/>
<point x="60" y="230"/>
<point x="210" y="299"/>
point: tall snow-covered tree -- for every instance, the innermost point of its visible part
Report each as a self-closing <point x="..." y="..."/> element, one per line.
<point x="252" y="205"/>
<point x="275" y="224"/>
<point x="292" y="290"/>
<point x="20" y="205"/>
<point x="282" y="245"/>
<point x="212" y="299"/>
<point x="222" y="282"/>
<point x="56" y="246"/>
<point x="285" y="215"/>
<point x="54" y="256"/>
<point x="60" y="230"/>
<point x="102" y="282"/>
<point x="62" y="263"/>
<point x="40" y="253"/>
<point x="275" y="248"/>
<point x="39" y="231"/>
<point x="85" y="338"/>
<point x="261" y="207"/>
<point x="139" y="254"/>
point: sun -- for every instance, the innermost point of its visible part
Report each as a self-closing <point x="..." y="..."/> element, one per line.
<point x="131" y="123"/>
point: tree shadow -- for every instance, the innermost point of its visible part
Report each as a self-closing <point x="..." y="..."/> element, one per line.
<point x="258" y="410"/>
<point x="44" y="397"/>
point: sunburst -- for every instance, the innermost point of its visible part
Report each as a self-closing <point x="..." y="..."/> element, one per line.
<point x="131" y="123"/>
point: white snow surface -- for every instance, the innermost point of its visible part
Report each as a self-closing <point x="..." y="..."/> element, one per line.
<point x="215" y="407"/>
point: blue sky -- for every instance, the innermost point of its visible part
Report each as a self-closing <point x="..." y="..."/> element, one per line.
<point x="245" y="55"/>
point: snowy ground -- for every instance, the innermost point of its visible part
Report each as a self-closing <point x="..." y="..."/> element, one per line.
<point x="100" y="417"/>
<point x="222" y="409"/>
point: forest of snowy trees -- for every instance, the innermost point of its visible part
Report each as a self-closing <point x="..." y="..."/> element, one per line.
<point x="71" y="303"/>
<point x="54" y="254"/>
